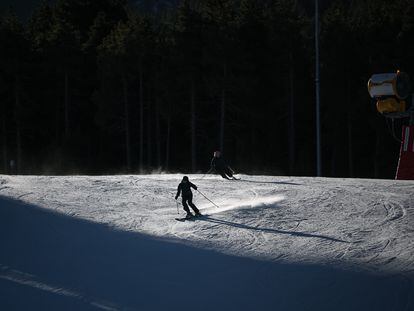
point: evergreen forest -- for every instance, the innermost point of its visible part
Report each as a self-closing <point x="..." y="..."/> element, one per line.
<point x="108" y="86"/>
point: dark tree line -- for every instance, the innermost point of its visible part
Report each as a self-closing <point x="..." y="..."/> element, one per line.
<point x="99" y="87"/>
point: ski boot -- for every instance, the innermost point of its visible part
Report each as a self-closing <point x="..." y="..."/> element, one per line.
<point x="189" y="215"/>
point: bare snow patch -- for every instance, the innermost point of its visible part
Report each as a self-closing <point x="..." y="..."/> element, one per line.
<point x="258" y="202"/>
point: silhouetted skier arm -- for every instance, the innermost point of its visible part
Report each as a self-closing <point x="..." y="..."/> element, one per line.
<point x="193" y="186"/>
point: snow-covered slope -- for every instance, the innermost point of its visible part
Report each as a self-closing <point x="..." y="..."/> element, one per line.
<point x="274" y="243"/>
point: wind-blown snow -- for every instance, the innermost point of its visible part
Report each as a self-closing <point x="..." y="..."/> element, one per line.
<point x="274" y="243"/>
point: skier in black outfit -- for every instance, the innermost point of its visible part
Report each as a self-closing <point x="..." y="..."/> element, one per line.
<point x="187" y="196"/>
<point x="221" y="167"/>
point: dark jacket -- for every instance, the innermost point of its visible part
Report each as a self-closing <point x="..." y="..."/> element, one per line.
<point x="185" y="189"/>
<point x="218" y="164"/>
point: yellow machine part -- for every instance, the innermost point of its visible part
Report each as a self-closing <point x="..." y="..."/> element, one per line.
<point x="390" y="105"/>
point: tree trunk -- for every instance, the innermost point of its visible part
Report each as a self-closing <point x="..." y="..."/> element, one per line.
<point x="349" y="128"/>
<point x="334" y="153"/>
<point x="57" y="122"/>
<point x="149" y="140"/>
<point x="4" y="140"/>
<point x="67" y="105"/>
<point x="223" y="108"/>
<point x="292" y="138"/>
<point x="167" y="144"/>
<point x="193" y="127"/>
<point x="127" y="127"/>
<point x="377" y="153"/>
<point x="350" y="149"/>
<point x="141" y="120"/>
<point x="157" y="132"/>
<point x="18" y="163"/>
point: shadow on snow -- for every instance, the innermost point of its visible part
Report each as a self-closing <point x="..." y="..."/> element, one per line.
<point x="56" y="262"/>
<point x="268" y="230"/>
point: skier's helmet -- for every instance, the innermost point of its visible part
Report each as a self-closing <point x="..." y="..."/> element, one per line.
<point x="185" y="178"/>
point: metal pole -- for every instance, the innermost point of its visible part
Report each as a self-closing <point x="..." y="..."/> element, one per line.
<point x="318" y="125"/>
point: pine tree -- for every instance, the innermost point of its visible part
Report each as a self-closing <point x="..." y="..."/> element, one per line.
<point x="14" y="57"/>
<point x="189" y="36"/>
<point x="123" y="52"/>
<point x="220" y="17"/>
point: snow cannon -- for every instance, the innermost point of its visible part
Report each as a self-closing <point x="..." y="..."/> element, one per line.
<point x="389" y="85"/>
<point x="390" y="90"/>
<point x="390" y="105"/>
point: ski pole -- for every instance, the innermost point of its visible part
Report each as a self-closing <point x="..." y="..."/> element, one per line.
<point x="177" y="207"/>
<point x="208" y="199"/>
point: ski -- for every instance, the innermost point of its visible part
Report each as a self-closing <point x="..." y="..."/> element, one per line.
<point x="189" y="218"/>
<point x="184" y="218"/>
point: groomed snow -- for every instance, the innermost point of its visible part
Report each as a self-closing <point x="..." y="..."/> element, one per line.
<point x="274" y="243"/>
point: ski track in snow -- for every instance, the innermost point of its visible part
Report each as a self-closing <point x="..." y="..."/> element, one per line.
<point x="340" y="222"/>
<point x="8" y="274"/>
